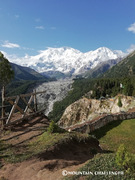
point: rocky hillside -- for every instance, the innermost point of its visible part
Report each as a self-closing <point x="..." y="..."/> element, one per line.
<point x="87" y="109"/>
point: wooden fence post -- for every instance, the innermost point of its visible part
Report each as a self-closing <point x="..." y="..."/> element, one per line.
<point x="6" y="120"/>
<point x="13" y="109"/>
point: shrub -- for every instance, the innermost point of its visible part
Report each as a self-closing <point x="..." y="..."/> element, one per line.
<point x="125" y="159"/>
<point x="119" y="102"/>
<point x="54" y="128"/>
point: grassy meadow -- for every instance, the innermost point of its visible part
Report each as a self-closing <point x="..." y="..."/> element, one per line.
<point x="116" y="133"/>
<point x="110" y="137"/>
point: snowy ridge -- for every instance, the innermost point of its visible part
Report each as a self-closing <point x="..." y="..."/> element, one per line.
<point x="68" y="60"/>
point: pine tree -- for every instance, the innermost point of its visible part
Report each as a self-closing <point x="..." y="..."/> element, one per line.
<point x="6" y="74"/>
<point x="119" y="102"/>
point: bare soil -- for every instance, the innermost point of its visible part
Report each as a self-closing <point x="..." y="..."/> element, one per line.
<point x="50" y="164"/>
<point x="25" y="131"/>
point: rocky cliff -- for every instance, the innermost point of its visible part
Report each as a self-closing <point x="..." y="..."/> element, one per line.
<point x="85" y="109"/>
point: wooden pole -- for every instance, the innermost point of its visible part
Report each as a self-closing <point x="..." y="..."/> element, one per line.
<point x="23" y="95"/>
<point x="28" y="104"/>
<point x="13" y="109"/>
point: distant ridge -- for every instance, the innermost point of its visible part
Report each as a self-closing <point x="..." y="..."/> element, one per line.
<point x="26" y="73"/>
<point x="100" y="69"/>
<point x="124" y="68"/>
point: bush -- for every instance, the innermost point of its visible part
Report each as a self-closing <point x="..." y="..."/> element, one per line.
<point x="54" y="128"/>
<point x="125" y="159"/>
<point x="119" y="102"/>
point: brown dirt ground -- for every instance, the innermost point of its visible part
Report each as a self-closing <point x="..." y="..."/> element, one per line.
<point x="36" y="170"/>
<point x="48" y="165"/>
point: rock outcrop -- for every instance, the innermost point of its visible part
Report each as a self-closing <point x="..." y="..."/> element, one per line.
<point x="85" y="109"/>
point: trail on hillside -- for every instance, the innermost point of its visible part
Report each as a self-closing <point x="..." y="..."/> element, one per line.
<point x="49" y="164"/>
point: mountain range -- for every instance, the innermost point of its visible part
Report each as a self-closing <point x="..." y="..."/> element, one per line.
<point x="24" y="73"/>
<point x="100" y="69"/>
<point x="124" y="68"/>
<point x="68" y="61"/>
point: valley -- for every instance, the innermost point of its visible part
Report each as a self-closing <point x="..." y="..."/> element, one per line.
<point x="45" y="147"/>
<point x="55" y="91"/>
<point x="67" y="90"/>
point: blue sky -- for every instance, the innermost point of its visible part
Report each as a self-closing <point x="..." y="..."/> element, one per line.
<point x="27" y="26"/>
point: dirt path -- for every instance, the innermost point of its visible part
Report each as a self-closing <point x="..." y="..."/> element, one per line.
<point x="51" y="164"/>
<point x="48" y="165"/>
<point x="37" y="170"/>
<point x="26" y="131"/>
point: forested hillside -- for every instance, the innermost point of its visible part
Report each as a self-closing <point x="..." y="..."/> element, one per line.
<point x="124" y="68"/>
<point x="105" y="87"/>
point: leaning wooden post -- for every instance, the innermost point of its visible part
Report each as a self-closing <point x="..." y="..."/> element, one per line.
<point x="3" y="104"/>
<point x="35" y="101"/>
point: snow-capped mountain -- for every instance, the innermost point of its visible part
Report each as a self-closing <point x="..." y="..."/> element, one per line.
<point x="68" y="60"/>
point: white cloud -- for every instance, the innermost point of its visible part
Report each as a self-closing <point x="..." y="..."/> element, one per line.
<point x="131" y="48"/>
<point x="11" y="57"/>
<point x="7" y="44"/>
<point x="40" y="27"/>
<point x="17" y="59"/>
<point x="132" y="28"/>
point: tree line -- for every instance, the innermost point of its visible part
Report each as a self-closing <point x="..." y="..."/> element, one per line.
<point x="105" y="87"/>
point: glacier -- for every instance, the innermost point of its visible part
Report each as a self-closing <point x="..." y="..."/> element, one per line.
<point x="68" y="60"/>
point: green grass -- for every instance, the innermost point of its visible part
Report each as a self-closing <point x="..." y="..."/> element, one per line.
<point x="48" y="140"/>
<point x="41" y="144"/>
<point x="103" y="163"/>
<point x="110" y="138"/>
<point x="116" y="133"/>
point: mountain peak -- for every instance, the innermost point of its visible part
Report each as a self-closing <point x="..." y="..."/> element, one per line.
<point x="68" y="60"/>
<point x="103" y="49"/>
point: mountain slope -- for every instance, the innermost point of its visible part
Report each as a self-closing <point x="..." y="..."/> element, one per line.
<point x="101" y="68"/>
<point x="68" y="60"/>
<point x="25" y="73"/>
<point x="124" y="68"/>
